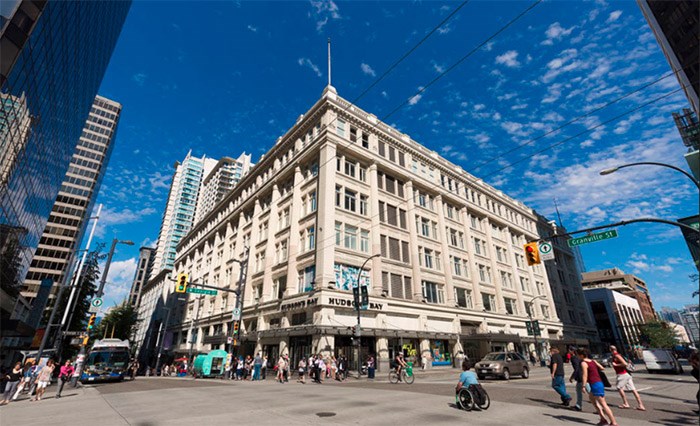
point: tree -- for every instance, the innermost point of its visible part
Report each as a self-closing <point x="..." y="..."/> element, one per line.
<point x="658" y="334"/>
<point x="119" y="323"/>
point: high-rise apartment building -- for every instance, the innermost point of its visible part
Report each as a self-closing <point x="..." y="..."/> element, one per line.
<point x="71" y="210"/>
<point x="628" y="284"/>
<point x="219" y="181"/>
<point x="143" y="271"/>
<point x="676" y="25"/>
<point x="181" y="208"/>
<point x="54" y="56"/>
<point x="616" y="316"/>
<point x="442" y="251"/>
<point x="690" y="319"/>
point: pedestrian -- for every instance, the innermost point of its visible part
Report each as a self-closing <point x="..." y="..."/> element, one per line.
<point x="370" y="367"/>
<point x="342" y="366"/>
<point x="248" y="367"/>
<point x="334" y="367"/>
<point x="533" y="358"/>
<point x="27" y="372"/>
<point x="239" y="368"/>
<point x="287" y="366"/>
<point x="593" y="386"/>
<point x="43" y="380"/>
<point x="263" y="367"/>
<point x="694" y="360"/>
<point x="64" y="376"/>
<point x="321" y="367"/>
<point x="624" y="380"/>
<point x="227" y="371"/>
<point x="257" y="365"/>
<point x="576" y="376"/>
<point x="302" y="370"/>
<point x="556" y="369"/>
<point x="424" y="361"/>
<point x="12" y="380"/>
<point x="280" y="369"/>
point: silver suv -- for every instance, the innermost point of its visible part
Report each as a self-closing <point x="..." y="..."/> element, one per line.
<point x="503" y="365"/>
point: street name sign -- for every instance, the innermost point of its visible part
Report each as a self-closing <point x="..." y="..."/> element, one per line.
<point x="195" y="290"/>
<point x="546" y="250"/>
<point x="592" y="238"/>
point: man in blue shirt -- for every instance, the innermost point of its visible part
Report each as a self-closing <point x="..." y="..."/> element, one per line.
<point x="466" y="378"/>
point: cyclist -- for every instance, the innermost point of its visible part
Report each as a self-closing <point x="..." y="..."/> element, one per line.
<point x="399" y="364"/>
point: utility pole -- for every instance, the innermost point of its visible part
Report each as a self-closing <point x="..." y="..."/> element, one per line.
<point x="235" y="321"/>
<point x="103" y="278"/>
<point x="535" y="331"/>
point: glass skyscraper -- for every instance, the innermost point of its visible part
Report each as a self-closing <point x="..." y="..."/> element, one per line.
<point x="54" y="56"/>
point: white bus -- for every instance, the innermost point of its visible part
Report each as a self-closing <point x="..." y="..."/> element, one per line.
<point x="108" y="360"/>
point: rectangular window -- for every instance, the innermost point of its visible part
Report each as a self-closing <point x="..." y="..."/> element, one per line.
<point x="405" y="252"/>
<point x="363" y="174"/>
<point x="338" y="195"/>
<point x="402" y="159"/>
<point x="365" y="140"/>
<point x="350" y="237"/>
<point x="353" y="134"/>
<point x="340" y="126"/>
<point x="311" y="237"/>
<point x="489" y="302"/>
<point x="350" y="200"/>
<point x="350" y="168"/>
<point x="338" y="233"/>
<point x="484" y="274"/>
<point x="463" y="298"/>
<point x="511" y="307"/>
<point x="506" y="280"/>
<point x="433" y="292"/>
<point x="381" y="148"/>
<point x="364" y="241"/>
<point x="306" y="278"/>
<point x="364" y="206"/>
<point x="394" y="250"/>
<point x="525" y="286"/>
<point x="382" y="218"/>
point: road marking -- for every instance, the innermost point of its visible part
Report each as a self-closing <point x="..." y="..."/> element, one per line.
<point x="643" y="389"/>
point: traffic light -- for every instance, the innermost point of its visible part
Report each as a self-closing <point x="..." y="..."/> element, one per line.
<point x="91" y="321"/>
<point x="236" y="327"/>
<point x="354" y="330"/>
<point x="182" y="281"/>
<point x="532" y="254"/>
<point x="85" y="340"/>
<point x="536" y="328"/>
<point x="365" y="297"/>
<point x="528" y="326"/>
<point x="356" y="296"/>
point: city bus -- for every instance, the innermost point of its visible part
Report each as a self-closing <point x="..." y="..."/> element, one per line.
<point x="108" y="360"/>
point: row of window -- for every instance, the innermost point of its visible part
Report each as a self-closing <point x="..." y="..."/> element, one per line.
<point x="82" y="172"/>
<point x="56" y="242"/>
<point x="395" y="249"/>
<point x="392" y="215"/>
<point x="351" y="200"/>
<point x="351" y="237"/>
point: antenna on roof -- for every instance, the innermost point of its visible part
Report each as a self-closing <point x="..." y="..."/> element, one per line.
<point x="329" y="61"/>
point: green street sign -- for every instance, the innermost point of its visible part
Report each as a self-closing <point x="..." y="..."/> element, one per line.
<point x="592" y="238"/>
<point x="196" y="290"/>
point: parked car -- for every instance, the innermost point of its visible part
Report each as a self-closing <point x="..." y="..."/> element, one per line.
<point x="605" y="359"/>
<point x="503" y="365"/>
<point x="661" y="360"/>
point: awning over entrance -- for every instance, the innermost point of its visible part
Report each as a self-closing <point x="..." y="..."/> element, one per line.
<point x="493" y="337"/>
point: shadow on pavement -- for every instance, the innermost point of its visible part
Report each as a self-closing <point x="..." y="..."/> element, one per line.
<point x="570" y="419"/>
<point x="551" y="404"/>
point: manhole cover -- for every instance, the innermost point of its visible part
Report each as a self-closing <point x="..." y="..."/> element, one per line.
<point x="325" y="414"/>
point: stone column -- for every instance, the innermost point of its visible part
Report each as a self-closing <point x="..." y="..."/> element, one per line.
<point x="292" y="287"/>
<point x="445" y="248"/>
<point x="272" y="225"/>
<point x="413" y="244"/>
<point x="382" y="350"/>
<point x="375" y="235"/>
<point x="477" y="304"/>
<point x="325" y="217"/>
<point x="426" y="353"/>
<point x="248" y="291"/>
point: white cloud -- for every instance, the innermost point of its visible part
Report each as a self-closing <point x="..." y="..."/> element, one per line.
<point x="323" y="11"/>
<point x="613" y="16"/>
<point x="252" y="28"/>
<point x="556" y="32"/>
<point x="139" y="78"/>
<point x="306" y="62"/>
<point x="438" y="68"/>
<point x="509" y="59"/>
<point x="416" y="98"/>
<point x="159" y="181"/>
<point x="444" y="29"/>
<point x="119" y="280"/>
<point x="385" y="95"/>
<point x="367" y="70"/>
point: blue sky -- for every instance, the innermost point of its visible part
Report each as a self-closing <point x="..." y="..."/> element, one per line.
<point x="225" y="77"/>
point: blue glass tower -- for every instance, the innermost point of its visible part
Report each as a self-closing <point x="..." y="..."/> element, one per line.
<point x="54" y="56"/>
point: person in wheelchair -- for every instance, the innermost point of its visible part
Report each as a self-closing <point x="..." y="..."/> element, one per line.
<point x="468" y="381"/>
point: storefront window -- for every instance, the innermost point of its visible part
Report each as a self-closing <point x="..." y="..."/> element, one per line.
<point x="345" y="276"/>
<point x="441" y="353"/>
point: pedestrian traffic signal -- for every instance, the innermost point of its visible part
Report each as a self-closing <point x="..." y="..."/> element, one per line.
<point x="365" y="297"/>
<point x="536" y="328"/>
<point x="91" y="321"/>
<point x="354" y="330"/>
<point x="528" y="326"/>
<point x="182" y="281"/>
<point x="532" y="254"/>
<point x="236" y="327"/>
<point x="356" y="296"/>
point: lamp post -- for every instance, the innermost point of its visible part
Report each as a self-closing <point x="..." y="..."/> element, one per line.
<point x="358" y="332"/>
<point x="103" y="279"/>
<point x="650" y="163"/>
<point x="534" y="332"/>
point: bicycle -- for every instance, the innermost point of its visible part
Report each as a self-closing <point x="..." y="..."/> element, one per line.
<point x="469" y="397"/>
<point x="406" y="375"/>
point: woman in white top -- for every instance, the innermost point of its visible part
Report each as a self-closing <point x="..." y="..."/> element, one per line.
<point x="43" y="380"/>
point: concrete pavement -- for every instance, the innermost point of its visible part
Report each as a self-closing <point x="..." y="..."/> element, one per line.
<point x="161" y="401"/>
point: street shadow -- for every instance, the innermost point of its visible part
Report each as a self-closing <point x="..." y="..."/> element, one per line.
<point x="658" y="395"/>
<point x="550" y="403"/>
<point x="572" y="419"/>
<point x="688" y="414"/>
<point x="669" y="379"/>
<point x="677" y="421"/>
<point x="457" y="407"/>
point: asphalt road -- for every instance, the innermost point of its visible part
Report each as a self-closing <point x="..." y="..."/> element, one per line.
<point x="430" y="400"/>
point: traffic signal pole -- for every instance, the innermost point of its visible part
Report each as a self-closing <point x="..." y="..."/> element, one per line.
<point x="358" y="306"/>
<point x="239" y="296"/>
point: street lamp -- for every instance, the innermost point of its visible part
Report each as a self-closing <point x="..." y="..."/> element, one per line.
<point x="103" y="279"/>
<point x="649" y="163"/>
<point x="534" y="332"/>
<point x="357" y="307"/>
